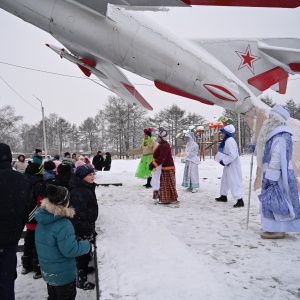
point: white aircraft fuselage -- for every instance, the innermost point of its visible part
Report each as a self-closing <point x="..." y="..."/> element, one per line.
<point x="124" y="39"/>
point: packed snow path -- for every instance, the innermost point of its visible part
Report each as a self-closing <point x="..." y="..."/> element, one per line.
<point x="201" y="250"/>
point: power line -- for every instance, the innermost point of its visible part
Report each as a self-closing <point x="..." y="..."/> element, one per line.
<point x="64" y="75"/>
<point x="18" y="94"/>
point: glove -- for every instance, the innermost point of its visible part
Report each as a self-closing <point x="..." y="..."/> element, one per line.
<point x="252" y="147"/>
<point x="221" y="163"/>
<point x="151" y="166"/>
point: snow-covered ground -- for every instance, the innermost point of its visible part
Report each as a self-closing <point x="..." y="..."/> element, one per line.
<point x="199" y="250"/>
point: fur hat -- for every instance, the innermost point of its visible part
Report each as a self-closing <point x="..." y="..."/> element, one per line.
<point x="49" y="165"/>
<point x="5" y="153"/>
<point x="280" y="111"/>
<point x="38" y="150"/>
<point x="57" y="195"/>
<point x="83" y="171"/>
<point x="20" y="156"/>
<point x="148" y="131"/>
<point x="34" y="168"/>
<point x="229" y="130"/>
<point x="162" y="133"/>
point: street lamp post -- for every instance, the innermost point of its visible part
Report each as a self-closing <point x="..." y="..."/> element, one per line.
<point x="44" y="128"/>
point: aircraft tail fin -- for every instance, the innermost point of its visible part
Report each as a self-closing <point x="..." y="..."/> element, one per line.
<point x="259" y="63"/>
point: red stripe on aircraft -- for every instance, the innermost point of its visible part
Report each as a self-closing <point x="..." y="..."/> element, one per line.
<point x="222" y="89"/>
<point x="172" y="90"/>
<point x="137" y="95"/>
<point x="90" y="63"/>
<point x="295" y="67"/>
<point x="265" y="80"/>
<point x="253" y="3"/>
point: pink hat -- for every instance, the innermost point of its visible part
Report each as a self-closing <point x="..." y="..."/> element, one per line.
<point x="79" y="163"/>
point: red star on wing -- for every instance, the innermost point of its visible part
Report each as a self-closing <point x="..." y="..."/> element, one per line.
<point x="247" y="59"/>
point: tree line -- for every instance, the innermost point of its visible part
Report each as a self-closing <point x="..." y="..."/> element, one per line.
<point x="116" y="128"/>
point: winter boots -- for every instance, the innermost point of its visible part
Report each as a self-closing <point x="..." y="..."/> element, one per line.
<point x="240" y="203"/>
<point x="31" y="265"/>
<point x="222" y="198"/>
<point x="272" y="235"/>
<point x="27" y="264"/>
<point x="36" y="269"/>
<point x="82" y="282"/>
<point x="148" y="185"/>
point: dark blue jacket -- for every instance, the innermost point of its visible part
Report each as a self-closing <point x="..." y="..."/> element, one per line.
<point x="83" y="199"/>
<point x="14" y="191"/>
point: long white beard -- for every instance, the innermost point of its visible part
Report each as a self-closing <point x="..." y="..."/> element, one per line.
<point x="268" y="125"/>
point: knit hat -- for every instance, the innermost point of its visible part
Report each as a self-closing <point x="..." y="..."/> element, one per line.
<point x="34" y="168"/>
<point x="64" y="167"/>
<point x="79" y="163"/>
<point x="280" y="111"/>
<point x="5" y="153"/>
<point x="162" y="133"/>
<point x="56" y="157"/>
<point x="38" y="150"/>
<point x="67" y="160"/>
<point x="67" y="154"/>
<point x="57" y="195"/>
<point x="83" y="171"/>
<point x="229" y="130"/>
<point x="147" y="131"/>
<point x="49" y="165"/>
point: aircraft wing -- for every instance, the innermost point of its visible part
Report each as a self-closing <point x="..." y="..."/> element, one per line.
<point x="118" y="83"/>
<point x="108" y="73"/>
<point x="101" y="6"/>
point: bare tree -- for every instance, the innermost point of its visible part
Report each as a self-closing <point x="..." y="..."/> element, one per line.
<point x="9" y="126"/>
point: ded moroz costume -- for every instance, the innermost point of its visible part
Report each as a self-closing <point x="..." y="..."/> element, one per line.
<point x="280" y="206"/>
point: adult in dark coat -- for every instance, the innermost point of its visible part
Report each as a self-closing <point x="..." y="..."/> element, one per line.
<point x="107" y="162"/>
<point x="84" y="201"/>
<point x="34" y="173"/>
<point x="14" y="188"/>
<point x="98" y="161"/>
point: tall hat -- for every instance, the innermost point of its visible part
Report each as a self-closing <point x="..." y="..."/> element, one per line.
<point x="162" y="133"/>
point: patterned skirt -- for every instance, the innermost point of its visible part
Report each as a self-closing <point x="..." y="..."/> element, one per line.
<point x="167" y="189"/>
<point x="143" y="167"/>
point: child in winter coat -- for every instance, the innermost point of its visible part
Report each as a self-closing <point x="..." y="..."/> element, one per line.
<point x="49" y="171"/>
<point x="56" y="244"/>
<point x="34" y="173"/>
<point x="21" y="164"/>
<point x="83" y="199"/>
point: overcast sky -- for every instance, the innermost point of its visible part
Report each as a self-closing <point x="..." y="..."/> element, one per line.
<point x="75" y="99"/>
